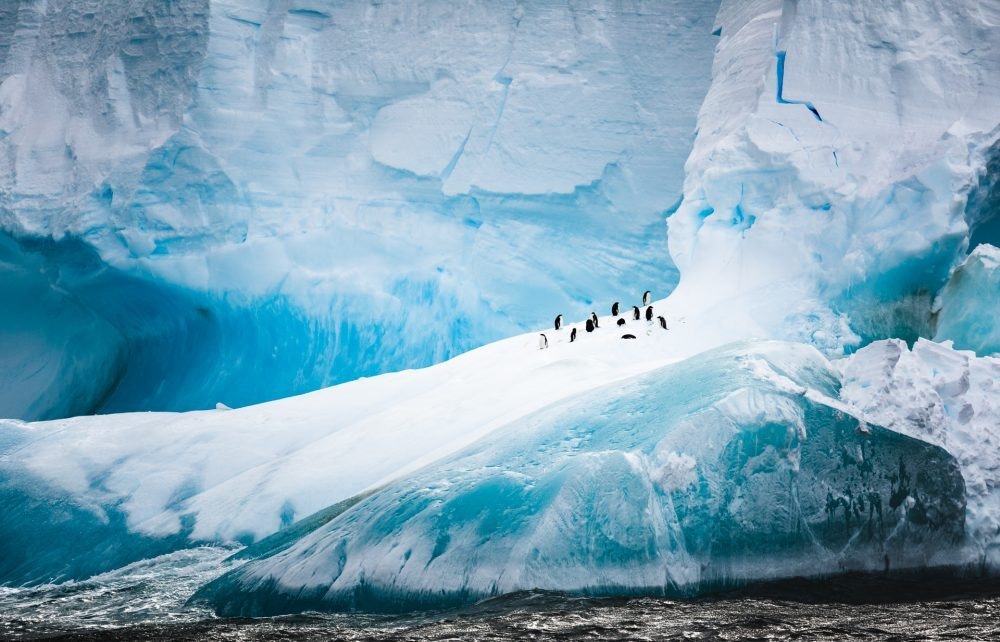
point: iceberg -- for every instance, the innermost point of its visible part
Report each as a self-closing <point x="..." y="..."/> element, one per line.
<point x="376" y="213"/>
<point x="735" y="465"/>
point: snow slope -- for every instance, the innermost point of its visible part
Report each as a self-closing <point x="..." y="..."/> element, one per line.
<point x="355" y="187"/>
<point x="222" y="475"/>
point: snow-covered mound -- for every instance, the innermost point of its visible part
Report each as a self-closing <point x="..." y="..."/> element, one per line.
<point x="969" y="305"/>
<point x="143" y="483"/>
<point x="946" y="397"/>
<point x="346" y="188"/>
<point x="732" y="466"/>
<point x="827" y="195"/>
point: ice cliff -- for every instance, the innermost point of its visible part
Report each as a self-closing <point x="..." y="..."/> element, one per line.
<point x="241" y="200"/>
<point x="845" y="152"/>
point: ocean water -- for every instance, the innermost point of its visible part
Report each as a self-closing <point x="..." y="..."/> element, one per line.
<point x="146" y="601"/>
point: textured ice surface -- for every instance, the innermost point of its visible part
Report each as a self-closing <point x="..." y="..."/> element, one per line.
<point x="143" y="483"/>
<point x="947" y="397"/>
<point x="969" y="305"/>
<point x="734" y="465"/>
<point x="348" y="188"/>
<point x="825" y="199"/>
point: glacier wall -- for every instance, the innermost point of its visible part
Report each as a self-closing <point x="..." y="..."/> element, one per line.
<point x="305" y="192"/>
<point x="845" y="152"/>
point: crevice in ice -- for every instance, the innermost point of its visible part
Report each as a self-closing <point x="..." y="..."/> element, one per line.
<point x="780" y="55"/>
<point x="505" y="81"/>
<point x="450" y="167"/>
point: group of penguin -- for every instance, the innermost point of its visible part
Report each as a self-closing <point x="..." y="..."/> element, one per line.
<point x="543" y="341"/>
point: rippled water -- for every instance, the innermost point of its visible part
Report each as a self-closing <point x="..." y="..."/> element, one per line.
<point x="146" y="601"/>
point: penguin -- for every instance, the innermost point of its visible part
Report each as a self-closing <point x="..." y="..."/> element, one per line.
<point x="649" y="313"/>
<point x="614" y="309"/>
<point x="628" y="336"/>
<point x="558" y="321"/>
<point x="645" y="297"/>
<point x="572" y="335"/>
<point x="621" y="322"/>
<point x="593" y="317"/>
<point x="635" y="312"/>
<point x="543" y="341"/>
<point x="663" y="323"/>
<point x="590" y="325"/>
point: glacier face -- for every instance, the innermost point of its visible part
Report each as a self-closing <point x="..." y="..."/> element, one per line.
<point x="738" y="464"/>
<point x="353" y="187"/>
<point x="827" y="196"/>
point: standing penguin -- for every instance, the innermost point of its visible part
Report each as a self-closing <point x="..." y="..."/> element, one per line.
<point x="558" y="322"/>
<point x="621" y="322"/>
<point x="663" y="323"/>
<point x="543" y="341"/>
<point x="572" y="335"/>
<point x="645" y="297"/>
<point x="649" y="313"/>
<point x="590" y="325"/>
<point x="614" y="309"/>
<point x="593" y="317"/>
<point x="635" y="313"/>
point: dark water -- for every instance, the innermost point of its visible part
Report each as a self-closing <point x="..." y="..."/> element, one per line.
<point x="146" y="602"/>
